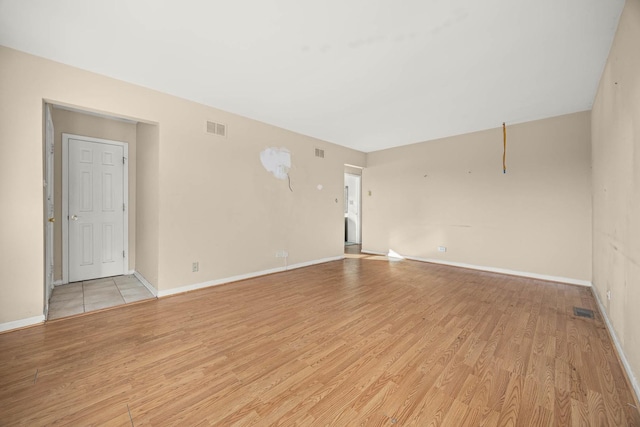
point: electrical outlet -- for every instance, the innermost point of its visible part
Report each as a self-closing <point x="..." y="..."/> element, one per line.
<point x="442" y="249"/>
<point x="609" y="295"/>
<point x="195" y="266"/>
<point x="282" y="254"/>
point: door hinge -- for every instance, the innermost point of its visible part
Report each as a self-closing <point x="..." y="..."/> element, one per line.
<point x="122" y="254"/>
<point x="123" y="207"/>
<point x="123" y="160"/>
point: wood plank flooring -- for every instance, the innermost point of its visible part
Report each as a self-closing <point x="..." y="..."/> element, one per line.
<point x="354" y="342"/>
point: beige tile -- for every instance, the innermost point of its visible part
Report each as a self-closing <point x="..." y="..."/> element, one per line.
<point x="100" y="289"/>
<point x="111" y="290"/>
<point x="59" y="314"/>
<point x="132" y="291"/>
<point x="66" y="296"/>
<point x="136" y="294"/>
<point x="125" y="279"/>
<point x="109" y="282"/>
<point x="137" y="297"/>
<point x="96" y="294"/>
<point x="105" y="281"/>
<point x="95" y="290"/>
<point x="111" y="297"/>
<point x="98" y="280"/>
<point x="103" y="304"/>
<point x="58" y="310"/>
<point x="78" y="300"/>
<point x="130" y="285"/>
<point x="70" y="288"/>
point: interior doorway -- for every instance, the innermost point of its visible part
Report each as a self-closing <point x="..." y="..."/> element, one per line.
<point x="94" y="207"/>
<point x="106" y="155"/>
<point x="352" y="209"/>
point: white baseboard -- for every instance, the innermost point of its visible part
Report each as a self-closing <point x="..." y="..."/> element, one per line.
<point x="616" y="342"/>
<point x="58" y="283"/>
<point x="314" y="262"/>
<point x="496" y="270"/>
<point x="16" y="324"/>
<point x="209" y="283"/>
<point x="193" y="287"/>
<point x="146" y="283"/>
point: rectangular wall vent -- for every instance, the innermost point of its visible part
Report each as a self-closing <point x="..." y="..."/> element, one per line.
<point x="216" y="128"/>
<point x="320" y="153"/>
<point x="583" y="312"/>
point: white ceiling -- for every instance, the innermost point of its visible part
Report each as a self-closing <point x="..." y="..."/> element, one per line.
<point x="367" y="74"/>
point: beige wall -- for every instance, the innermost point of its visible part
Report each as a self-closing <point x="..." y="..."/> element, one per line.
<point x="147" y="218"/>
<point x="208" y="199"/>
<point x="451" y="192"/>
<point x="88" y="125"/>
<point x="216" y="204"/>
<point x="616" y="185"/>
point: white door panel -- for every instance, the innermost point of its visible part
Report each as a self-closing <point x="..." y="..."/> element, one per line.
<point x="96" y="215"/>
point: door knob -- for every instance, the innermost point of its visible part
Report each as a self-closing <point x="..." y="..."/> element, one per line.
<point x="74" y="217"/>
<point x="52" y="220"/>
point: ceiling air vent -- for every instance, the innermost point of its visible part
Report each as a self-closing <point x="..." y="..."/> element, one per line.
<point x="216" y="128"/>
<point x="320" y="153"/>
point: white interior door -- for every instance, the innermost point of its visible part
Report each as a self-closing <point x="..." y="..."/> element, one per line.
<point x="96" y="209"/>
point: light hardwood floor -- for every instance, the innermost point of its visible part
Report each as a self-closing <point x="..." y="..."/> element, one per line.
<point x="353" y="342"/>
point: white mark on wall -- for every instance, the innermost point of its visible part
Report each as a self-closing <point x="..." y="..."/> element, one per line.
<point x="276" y="161"/>
<point x="319" y="186"/>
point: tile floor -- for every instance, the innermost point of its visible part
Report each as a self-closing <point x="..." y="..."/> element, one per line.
<point x="90" y="295"/>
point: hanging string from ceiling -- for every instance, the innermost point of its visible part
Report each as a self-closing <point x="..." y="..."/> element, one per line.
<point x="504" y="152"/>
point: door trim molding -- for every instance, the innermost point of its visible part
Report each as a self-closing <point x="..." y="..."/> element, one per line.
<point x="65" y="199"/>
<point x="49" y="201"/>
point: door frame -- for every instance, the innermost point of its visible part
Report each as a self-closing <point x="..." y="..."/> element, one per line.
<point x="49" y="201"/>
<point x="65" y="199"/>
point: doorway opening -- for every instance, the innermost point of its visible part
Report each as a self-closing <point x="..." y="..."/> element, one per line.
<point x="95" y="218"/>
<point x="352" y="209"/>
<point x="90" y="215"/>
